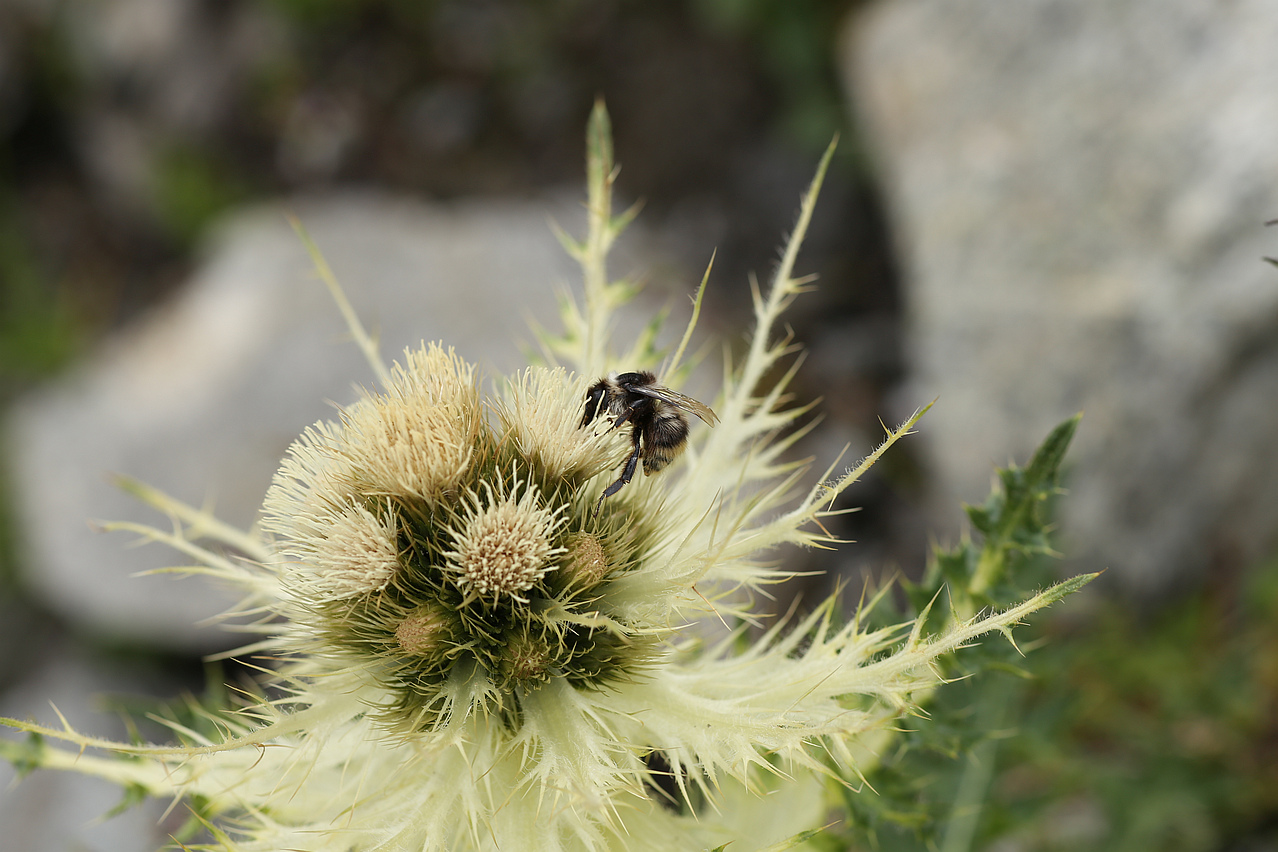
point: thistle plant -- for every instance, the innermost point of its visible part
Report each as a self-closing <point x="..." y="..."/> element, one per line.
<point x="468" y="649"/>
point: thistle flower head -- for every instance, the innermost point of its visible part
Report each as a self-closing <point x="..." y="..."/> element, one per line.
<point x="503" y="546"/>
<point x="358" y="554"/>
<point x="443" y="553"/>
<point x="479" y="653"/>
<point x="531" y="412"/>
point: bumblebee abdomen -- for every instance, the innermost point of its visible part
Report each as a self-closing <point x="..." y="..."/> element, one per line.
<point x="664" y="438"/>
<point x="655" y="462"/>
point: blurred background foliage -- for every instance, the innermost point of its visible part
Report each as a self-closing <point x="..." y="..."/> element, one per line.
<point x="125" y="132"/>
<point x="1107" y="730"/>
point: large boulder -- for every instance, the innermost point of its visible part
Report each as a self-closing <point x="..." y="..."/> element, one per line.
<point x="1079" y="190"/>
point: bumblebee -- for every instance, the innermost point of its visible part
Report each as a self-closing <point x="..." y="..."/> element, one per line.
<point x="658" y="428"/>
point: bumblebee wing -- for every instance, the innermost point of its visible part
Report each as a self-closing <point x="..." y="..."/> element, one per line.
<point x="678" y="400"/>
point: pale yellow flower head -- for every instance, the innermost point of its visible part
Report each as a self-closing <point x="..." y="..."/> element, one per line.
<point x="418" y="437"/>
<point x="437" y="374"/>
<point x="358" y="554"/>
<point x="531" y="410"/>
<point x="502" y="546"/>
<point x="422" y="536"/>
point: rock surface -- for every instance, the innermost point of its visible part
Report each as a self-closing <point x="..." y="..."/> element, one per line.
<point x="202" y="399"/>
<point x="1079" y="191"/>
<point x="50" y="811"/>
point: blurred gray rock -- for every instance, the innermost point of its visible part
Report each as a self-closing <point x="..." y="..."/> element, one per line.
<point x="1079" y="189"/>
<point x="57" y="811"/>
<point x="202" y="399"/>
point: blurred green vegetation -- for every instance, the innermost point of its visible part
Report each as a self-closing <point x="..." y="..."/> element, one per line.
<point x="795" y="40"/>
<point x="1150" y="733"/>
<point x="1116" y="729"/>
<point x="40" y="333"/>
<point x="39" y="329"/>
<point x="517" y="78"/>
<point x="193" y="187"/>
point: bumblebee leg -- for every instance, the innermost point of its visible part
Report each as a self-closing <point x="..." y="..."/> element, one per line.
<point x="622" y="419"/>
<point x="632" y="408"/>
<point x="627" y="473"/>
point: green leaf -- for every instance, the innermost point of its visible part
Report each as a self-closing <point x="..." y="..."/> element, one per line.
<point x="1014" y="530"/>
<point x="599" y="162"/>
<point x="134" y="795"/>
<point x="930" y="791"/>
<point x="26" y="755"/>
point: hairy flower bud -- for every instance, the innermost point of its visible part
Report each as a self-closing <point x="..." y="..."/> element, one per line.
<point x="585" y="561"/>
<point x="421" y="632"/>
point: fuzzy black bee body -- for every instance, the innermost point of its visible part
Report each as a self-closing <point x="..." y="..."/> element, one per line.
<point x="658" y="428"/>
